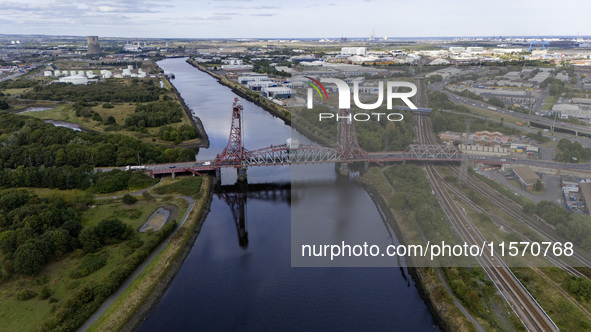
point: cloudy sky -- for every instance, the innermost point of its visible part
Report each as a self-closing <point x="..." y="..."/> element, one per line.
<point x="294" y="19"/>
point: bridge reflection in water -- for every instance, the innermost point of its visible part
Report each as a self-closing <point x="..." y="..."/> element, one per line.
<point x="237" y="196"/>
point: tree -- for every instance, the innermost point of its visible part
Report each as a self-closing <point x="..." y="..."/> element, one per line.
<point x="111" y="120"/>
<point x="28" y="259"/>
<point x="112" y="230"/>
<point x="128" y="199"/>
<point x="496" y="102"/>
<point x="529" y="207"/>
<point x="89" y="239"/>
<point x="147" y="196"/>
<point x="538" y="186"/>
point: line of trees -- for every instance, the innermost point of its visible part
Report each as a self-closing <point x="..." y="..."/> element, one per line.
<point x="454" y="122"/>
<point x="32" y="143"/>
<point x="109" y="91"/>
<point x="155" y="114"/>
<point x="18" y="83"/>
<point x="177" y="135"/>
<point x="37" y="154"/>
<point x="571" y="152"/>
<point x="385" y="135"/>
<point x="575" y="227"/>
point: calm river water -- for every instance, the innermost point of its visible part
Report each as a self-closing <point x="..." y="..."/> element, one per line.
<point x="227" y="284"/>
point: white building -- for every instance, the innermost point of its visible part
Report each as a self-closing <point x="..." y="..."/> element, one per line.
<point x="475" y="49"/>
<point x="246" y="79"/>
<point x="236" y="67"/>
<point x="437" y="62"/>
<point x="353" y="50"/>
<point x="132" y="47"/>
<point x="456" y="50"/>
<point x="233" y="62"/>
<point x="74" y="80"/>
<point x="258" y="85"/>
<point x="566" y="111"/>
<point x="279" y="92"/>
<point x="47" y="73"/>
<point x="106" y="73"/>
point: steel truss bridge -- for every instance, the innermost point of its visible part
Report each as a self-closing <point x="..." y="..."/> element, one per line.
<point x="347" y="151"/>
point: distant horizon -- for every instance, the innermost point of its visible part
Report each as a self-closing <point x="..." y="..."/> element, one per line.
<point x="377" y="38"/>
<point x="247" y="19"/>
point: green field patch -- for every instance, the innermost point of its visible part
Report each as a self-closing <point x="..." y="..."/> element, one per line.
<point x="27" y="302"/>
<point x="188" y="186"/>
<point x="565" y="314"/>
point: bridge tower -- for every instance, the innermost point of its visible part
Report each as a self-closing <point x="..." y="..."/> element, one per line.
<point x="233" y="154"/>
<point x="348" y="146"/>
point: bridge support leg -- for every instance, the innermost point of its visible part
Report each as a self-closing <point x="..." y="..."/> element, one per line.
<point x="173" y="175"/>
<point x="218" y="173"/>
<point x="365" y="166"/>
<point x="342" y="168"/>
<point x="241" y="173"/>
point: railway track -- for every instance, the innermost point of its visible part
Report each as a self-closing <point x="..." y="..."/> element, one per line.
<point x="529" y="311"/>
<point x="514" y="210"/>
<point x="501" y="223"/>
<point x="524" y="305"/>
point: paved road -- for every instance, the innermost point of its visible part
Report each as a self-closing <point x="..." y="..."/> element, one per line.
<point x="9" y="77"/>
<point x="439" y="86"/>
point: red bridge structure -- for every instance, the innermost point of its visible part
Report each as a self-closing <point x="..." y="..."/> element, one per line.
<point x="346" y="151"/>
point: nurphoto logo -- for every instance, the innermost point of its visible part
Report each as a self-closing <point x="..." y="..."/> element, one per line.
<point x="345" y="99"/>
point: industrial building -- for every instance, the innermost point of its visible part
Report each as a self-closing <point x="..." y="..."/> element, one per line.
<point x="279" y="92"/>
<point x="488" y="137"/>
<point x="353" y="50"/>
<point x="566" y="111"/>
<point x="526" y="177"/>
<point x="479" y="150"/>
<point x="252" y="78"/>
<point x="258" y="85"/>
<point x="456" y="50"/>
<point x="74" y="79"/>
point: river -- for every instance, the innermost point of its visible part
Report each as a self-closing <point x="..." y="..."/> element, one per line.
<point x="239" y="275"/>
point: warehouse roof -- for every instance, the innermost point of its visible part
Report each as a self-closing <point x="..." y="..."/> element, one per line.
<point x="526" y="174"/>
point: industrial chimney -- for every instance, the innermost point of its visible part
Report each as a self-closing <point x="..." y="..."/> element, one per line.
<point x="93" y="45"/>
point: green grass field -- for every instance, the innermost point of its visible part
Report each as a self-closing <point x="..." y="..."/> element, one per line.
<point x="188" y="186"/>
